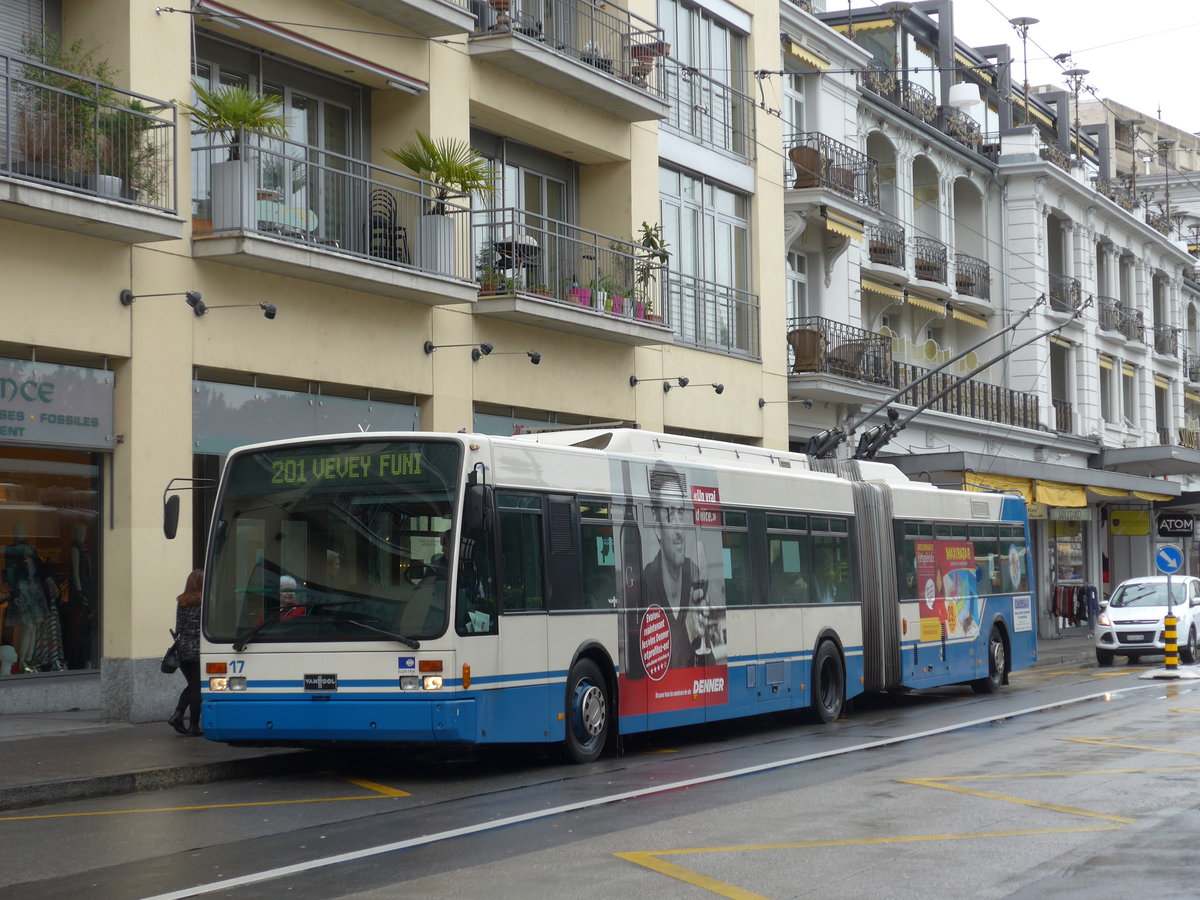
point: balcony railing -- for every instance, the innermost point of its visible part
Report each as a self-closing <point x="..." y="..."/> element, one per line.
<point x="1131" y="323"/>
<point x="86" y="136"/>
<point x="1191" y="365"/>
<point x="1118" y="193"/>
<point x="1066" y="293"/>
<point x="961" y="127"/>
<point x="1107" y="311"/>
<point x="817" y="160"/>
<point x="1164" y="434"/>
<point x="302" y="194"/>
<point x="971" y="399"/>
<point x="918" y="101"/>
<point x="520" y="253"/>
<point x="1062" y="416"/>
<point x="929" y="259"/>
<point x="1052" y="153"/>
<point x="972" y="276"/>
<point x="711" y="113"/>
<point x="1190" y="438"/>
<point x="881" y="81"/>
<point x="606" y="36"/>
<point x="1166" y="340"/>
<point x="713" y="316"/>
<point x="885" y="244"/>
<point x="824" y="345"/>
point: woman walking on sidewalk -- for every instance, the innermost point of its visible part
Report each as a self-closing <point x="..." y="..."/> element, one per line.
<point x="187" y="633"/>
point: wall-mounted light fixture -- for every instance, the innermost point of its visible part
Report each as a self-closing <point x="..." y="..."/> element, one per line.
<point x="479" y="351"/>
<point x="269" y="309"/>
<point x="682" y="381"/>
<point x="127" y="297"/>
<point x="807" y="401"/>
<point x="535" y="358"/>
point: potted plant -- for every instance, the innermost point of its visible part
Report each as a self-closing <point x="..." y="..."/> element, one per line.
<point x="128" y="160"/>
<point x="230" y="112"/>
<point x="652" y="256"/>
<point x="453" y="168"/>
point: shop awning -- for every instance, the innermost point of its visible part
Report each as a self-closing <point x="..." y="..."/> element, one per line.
<point x="843" y="225"/>
<point x="876" y="25"/>
<point x="883" y="290"/>
<point x="1056" y="493"/>
<point x="922" y="303"/>
<point x="806" y="56"/>
<point x="1154" y="498"/>
<point x="1008" y="484"/>
<point x="961" y="316"/>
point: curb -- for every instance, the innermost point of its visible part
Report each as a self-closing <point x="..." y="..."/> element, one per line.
<point x="18" y="796"/>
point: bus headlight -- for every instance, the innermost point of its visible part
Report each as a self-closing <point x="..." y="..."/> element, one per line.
<point x="237" y="682"/>
<point x="433" y="682"/>
<point x="218" y="684"/>
<point x="410" y="683"/>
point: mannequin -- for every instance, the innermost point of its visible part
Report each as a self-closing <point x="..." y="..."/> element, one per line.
<point x="22" y="569"/>
<point x="77" y="612"/>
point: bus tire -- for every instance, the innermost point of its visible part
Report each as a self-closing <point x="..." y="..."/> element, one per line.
<point x="589" y="718"/>
<point x="828" y="684"/>
<point x="997" y="655"/>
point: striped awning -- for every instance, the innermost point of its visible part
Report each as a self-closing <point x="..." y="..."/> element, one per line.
<point x="806" y="56"/>
<point x="876" y="25"/>
<point x="962" y="316"/>
<point x="843" y="225"/>
<point x="1106" y="362"/>
<point x="884" y="290"/>
<point x="1160" y="383"/>
<point x="922" y="303"/>
<point x="1060" y="342"/>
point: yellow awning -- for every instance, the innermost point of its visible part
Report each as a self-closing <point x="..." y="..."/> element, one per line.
<point x="1057" y="493"/>
<point x="1106" y="362"/>
<point x="884" y="290"/>
<point x="1126" y="370"/>
<point x="806" y="56"/>
<point x="1191" y="395"/>
<point x="877" y="25"/>
<point x="1160" y="383"/>
<point x="921" y="303"/>
<point x="961" y="316"/>
<point x="1107" y="491"/>
<point x="1059" y="342"/>
<point x="845" y="227"/>
<point x="982" y="481"/>
<point x="1156" y="498"/>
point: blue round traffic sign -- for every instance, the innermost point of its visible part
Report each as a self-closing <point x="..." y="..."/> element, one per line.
<point x="1169" y="559"/>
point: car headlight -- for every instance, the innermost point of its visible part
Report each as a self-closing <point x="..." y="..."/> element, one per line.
<point x="1103" y="620"/>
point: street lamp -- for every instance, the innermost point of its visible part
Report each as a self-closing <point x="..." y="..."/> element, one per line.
<point x="1164" y="150"/>
<point x="1021" y="24"/>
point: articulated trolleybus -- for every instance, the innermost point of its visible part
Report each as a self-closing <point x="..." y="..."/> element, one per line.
<point x="577" y="586"/>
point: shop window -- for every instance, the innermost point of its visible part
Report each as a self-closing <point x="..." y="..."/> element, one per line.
<point x="50" y="590"/>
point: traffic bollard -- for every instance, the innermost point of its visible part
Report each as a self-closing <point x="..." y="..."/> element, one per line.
<point x="1169" y="637"/>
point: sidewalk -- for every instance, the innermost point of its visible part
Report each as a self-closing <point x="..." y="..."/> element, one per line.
<point x="53" y="757"/>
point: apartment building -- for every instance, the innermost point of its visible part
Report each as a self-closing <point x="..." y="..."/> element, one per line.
<point x="173" y="292"/>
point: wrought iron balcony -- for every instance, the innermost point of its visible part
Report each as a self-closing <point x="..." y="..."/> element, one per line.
<point x="929" y="259"/>
<point x="881" y="81"/>
<point x="1166" y="340"/>
<point x="709" y="112"/>
<point x="823" y="345"/>
<point x="1190" y="438"/>
<point x="919" y="102"/>
<point x="1164" y="434"/>
<point x="1131" y="323"/>
<point x="970" y="399"/>
<point x="1052" y="153"/>
<point x="566" y="44"/>
<point x="517" y="253"/>
<point x="1063" y="416"/>
<point x="1107" y="311"/>
<point x="885" y="244"/>
<point x="713" y="316"/>
<point x="65" y="132"/>
<point x="1191" y="365"/>
<point x="1117" y="192"/>
<point x="817" y="160"/>
<point x="1066" y="294"/>
<point x="972" y="276"/>
<point x="961" y="127"/>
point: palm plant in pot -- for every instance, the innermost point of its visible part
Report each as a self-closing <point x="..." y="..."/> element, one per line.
<point x="453" y="168"/>
<point x="653" y="257"/>
<point x="231" y="112"/>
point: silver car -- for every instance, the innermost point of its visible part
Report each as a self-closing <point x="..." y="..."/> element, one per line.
<point x="1131" y="622"/>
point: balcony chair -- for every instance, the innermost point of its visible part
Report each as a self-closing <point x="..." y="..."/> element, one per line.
<point x="387" y="239"/>
<point x="808" y="346"/>
<point x="847" y="359"/>
<point x="809" y="166"/>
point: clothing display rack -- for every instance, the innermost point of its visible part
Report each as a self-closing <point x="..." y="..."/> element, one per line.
<point x="1073" y="603"/>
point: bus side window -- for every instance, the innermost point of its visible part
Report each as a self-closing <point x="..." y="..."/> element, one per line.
<point x="521" y="547"/>
<point x="599" y="565"/>
<point x="832" y="579"/>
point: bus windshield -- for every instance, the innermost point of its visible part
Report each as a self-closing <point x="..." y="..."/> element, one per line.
<point x="334" y="542"/>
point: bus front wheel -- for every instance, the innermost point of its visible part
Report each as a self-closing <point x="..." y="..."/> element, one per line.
<point x="588" y="712"/>
<point x="828" y="683"/>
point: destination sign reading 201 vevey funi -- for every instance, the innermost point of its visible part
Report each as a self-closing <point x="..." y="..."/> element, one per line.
<point x="344" y="467"/>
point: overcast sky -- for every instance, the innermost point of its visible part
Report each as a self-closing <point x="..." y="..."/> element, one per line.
<point x="1142" y="54"/>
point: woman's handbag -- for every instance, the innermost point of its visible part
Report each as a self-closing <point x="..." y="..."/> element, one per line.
<point x="170" y="660"/>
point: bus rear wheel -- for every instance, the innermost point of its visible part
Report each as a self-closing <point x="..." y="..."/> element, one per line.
<point x="997" y="665"/>
<point x="588" y="712"/>
<point x="828" y="684"/>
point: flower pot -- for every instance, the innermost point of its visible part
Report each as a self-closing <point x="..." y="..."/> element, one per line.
<point x="639" y="309"/>
<point x="435" y="244"/>
<point x="618" y="305"/>
<point x="582" y="296"/>
<point x="233" y="196"/>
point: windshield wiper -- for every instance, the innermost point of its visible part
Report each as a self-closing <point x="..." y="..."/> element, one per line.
<point x="411" y="643"/>
<point x="240" y="642"/>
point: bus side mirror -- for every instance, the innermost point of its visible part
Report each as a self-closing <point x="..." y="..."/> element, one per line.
<point x="477" y="507"/>
<point x="171" y="516"/>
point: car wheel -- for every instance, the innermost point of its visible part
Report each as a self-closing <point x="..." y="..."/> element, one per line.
<point x="828" y="684"/>
<point x="1104" y="657"/>
<point x="1134" y="659"/>
<point x="1187" y="653"/>
<point x="997" y="665"/>
<point x="588" y="719"/>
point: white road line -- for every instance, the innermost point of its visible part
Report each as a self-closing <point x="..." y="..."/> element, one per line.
<point x="491" y="825"/>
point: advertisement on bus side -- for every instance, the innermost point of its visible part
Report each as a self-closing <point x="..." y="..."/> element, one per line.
<point x="948" y="578"/>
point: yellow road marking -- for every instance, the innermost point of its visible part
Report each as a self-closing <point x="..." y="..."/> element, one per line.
<point x="1021" y="801"/>
<point x="381" y="792"/>
<point x="1111" y="743"/>
<point x="687" y="876"/>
